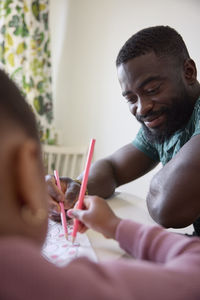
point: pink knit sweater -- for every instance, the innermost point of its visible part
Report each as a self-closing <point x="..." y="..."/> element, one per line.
<point x="167" y="267"/>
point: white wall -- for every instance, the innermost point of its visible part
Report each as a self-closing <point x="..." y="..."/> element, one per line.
<point x="86" y="38"/>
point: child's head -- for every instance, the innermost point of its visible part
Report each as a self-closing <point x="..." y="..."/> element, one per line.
<point x="23" y="197"/>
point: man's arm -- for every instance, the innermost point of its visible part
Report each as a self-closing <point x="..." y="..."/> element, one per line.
<point x="174" y="195"/>
<point x="123" y="166"/>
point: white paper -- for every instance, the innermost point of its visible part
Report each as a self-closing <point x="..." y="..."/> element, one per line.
<point x="60" y="251"/>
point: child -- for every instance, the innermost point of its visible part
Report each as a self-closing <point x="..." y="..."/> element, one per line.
<point x="168" y="265"/>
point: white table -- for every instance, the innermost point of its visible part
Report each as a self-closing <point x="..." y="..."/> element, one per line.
<point x="126" y="206"/>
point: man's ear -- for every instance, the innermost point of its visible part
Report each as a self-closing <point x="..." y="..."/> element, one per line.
<point x="190" y="71"/>
<point x="29" y="177"/>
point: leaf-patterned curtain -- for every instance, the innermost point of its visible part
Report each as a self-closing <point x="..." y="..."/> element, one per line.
<point x="25" y="55"/>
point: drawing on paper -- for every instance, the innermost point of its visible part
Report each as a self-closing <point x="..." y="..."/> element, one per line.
<point x="60" y="251"/>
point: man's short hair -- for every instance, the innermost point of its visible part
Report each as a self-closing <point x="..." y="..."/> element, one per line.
<point x="14" y="108"/>
<point x="162" y="40"/>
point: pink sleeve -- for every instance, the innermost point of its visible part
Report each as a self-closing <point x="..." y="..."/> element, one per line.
<point x="154" y="243"/>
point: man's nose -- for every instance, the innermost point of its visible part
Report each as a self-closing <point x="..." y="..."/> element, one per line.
<point x="144" y="106"/>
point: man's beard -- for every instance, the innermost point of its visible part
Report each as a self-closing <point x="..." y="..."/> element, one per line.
<point x="176" y="117"/>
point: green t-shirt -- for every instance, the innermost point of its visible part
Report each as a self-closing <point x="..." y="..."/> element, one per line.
<point x="165" y="151"/>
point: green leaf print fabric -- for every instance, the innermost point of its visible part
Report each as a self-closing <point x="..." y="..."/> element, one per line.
<point x="26" y="57"/>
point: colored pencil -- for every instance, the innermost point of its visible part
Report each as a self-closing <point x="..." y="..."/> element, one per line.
<point x="83" y="186"/>
<point x="62" y="212"/>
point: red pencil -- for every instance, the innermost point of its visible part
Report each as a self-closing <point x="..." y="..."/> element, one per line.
<point x="83" y="186"/>
<point x="62" y="213"/>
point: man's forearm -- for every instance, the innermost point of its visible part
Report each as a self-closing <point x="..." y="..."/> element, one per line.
<point x="173" y="196"/>
<point x="154" y="202"/>
<point x="101" y="181"/>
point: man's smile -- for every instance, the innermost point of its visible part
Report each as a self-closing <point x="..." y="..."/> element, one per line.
<point x="155" y="121"/>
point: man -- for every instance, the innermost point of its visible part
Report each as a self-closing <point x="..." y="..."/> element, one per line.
<point x="159" y="81"/>
<point x="168" y="261"/>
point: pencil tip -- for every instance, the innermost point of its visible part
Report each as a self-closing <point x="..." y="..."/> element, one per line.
<point x="66" y="236"/>
<point x="73" y="239"/>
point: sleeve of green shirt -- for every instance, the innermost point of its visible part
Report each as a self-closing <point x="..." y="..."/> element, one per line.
<point x="141" y="143"/>
<point x="196" y="118"/>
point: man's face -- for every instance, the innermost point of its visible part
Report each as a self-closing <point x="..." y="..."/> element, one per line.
<point x="157" y="94"/>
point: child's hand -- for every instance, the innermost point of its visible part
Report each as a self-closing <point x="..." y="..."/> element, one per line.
<point x="97" y="216"/>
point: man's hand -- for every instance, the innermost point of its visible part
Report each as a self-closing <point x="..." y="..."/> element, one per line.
<point x="97" y="216"/>
<point x="68" y="195"/>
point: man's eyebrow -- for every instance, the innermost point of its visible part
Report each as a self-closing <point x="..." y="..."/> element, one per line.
<point x="146" y="81"/>
<point x="150" y="79"/>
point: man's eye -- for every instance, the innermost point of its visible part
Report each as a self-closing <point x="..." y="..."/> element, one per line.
<point x="131" y="100"/>
<point x="153" y="90"/>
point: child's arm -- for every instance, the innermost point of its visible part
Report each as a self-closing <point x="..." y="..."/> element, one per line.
<point x="151" y="243"/>
<point x="154" y="243"/>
